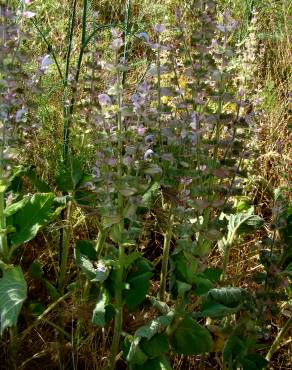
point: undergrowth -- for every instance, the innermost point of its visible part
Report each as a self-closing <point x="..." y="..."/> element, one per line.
<point x="145" y="194"/>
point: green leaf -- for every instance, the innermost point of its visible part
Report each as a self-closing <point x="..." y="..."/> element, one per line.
<point x="38" y="183"/>
<point x="158" y="363"/>
<point x="99" y="312"/>
<point x="51" y="289"/>
<point x="139" y="281"/>
<point x="135" y="355"/>
<point x="259" y="361"/>
<point x="68" y="177"/>
<point x="233" y="349"/>
<point x="36" y="270"/>
<point x="215" y="309"/>
<point x="203" y="285"/>
<point x="154" y="326"/>
<point x="190" y="338"/>
<point x="15" y="207"/>
<point x="184" y="266"/>
<point x="131" y="258"/>
<point x="156" y="346"/>
<point x="238" y="224"/>
<point x="13" y="292"/>
<point x="82" y="259"/>
<point x="35" y="214"/>
<point x="213" y="274"/>
<point x="150" y="194"/>
<point x="227" y="296"/>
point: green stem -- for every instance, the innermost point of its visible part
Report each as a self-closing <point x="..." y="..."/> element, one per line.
<point x="165" y="256"/>
<point x="41" y="317"/>
<point x="277" y="342"/>
<point x="120" y="267"/>
<point x="65" y="248"/>
<point x="69" y="114"/>
<point x="50" y="49"/>
<point x="100" y="241"/>
<point x="3" y="237"/>
<point x="4" y="252"/>
<point x="119" y="310"/>
<point x="126" y="29"/>
<point x="159" y="91"/>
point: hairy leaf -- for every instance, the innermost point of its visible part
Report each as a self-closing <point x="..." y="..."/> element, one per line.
<point x="13" y="292"/>
<point x="34" y="214"/>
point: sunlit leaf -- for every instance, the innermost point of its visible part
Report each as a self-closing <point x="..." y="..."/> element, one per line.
<point x="13" y="292"/>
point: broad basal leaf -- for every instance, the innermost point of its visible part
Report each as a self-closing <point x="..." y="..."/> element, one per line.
<point x="36" y="213"/>
<point x="190" y="338"/>
<point x="156" y="346"/>
<point x="13" y="292"/>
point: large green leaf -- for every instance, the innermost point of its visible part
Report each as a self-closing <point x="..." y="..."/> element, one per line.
<point x="190" y="338"/>
<point x="13" y="292"/>
<point x="84" y="254"/>
<point x="99" y="312"/>
<point x="34" y="214"/>
<point x="184" y="266"/>
<point x="156" y="346"/>
<point x="227" y="296"/>
<point x="238" y="224"/>
<point x="69" y="176"/>
<point x="154" y="326"/>
<point x="214" y="309"/>
<point x="138" y="280"/>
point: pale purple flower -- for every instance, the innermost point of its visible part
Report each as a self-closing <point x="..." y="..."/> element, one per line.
<point x="141" y="130"/>
<point x="96" y="172"/>
<point x="20" y="114"/>
<point x="116" y="33"/>
<point x="183" y="133"/>
<point x="127" y="160"/>
<point x="104" y="100"/>
<point x="144" y="36"/>
<point x="137" y="101"/>
<point x="149" y="139"/>
<point x="117" y="43"/>
<point x="194" y="121"/>
<point x="46" y="61"/>
<point x="112" y="162"/>
<point x="159" y="28"/>
<point x="148" y="154"/>
<point x="144" y="87"/>
<point x="28" y="14"/>
<point x="89" y="185"/>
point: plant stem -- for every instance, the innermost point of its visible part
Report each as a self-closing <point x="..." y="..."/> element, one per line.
<point x="277" y="342"/>
<point x="119" y="310"/>
<point x="100" y="241"/>
<point x="165" y="256"/>
<point x="126" y="29"/>
<point x="69" y="114"/>
<point x="3" y="236"/>
<point x="44" y="314"/>
<point x="65" y="248"/>
<point x="120" y="267"/>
